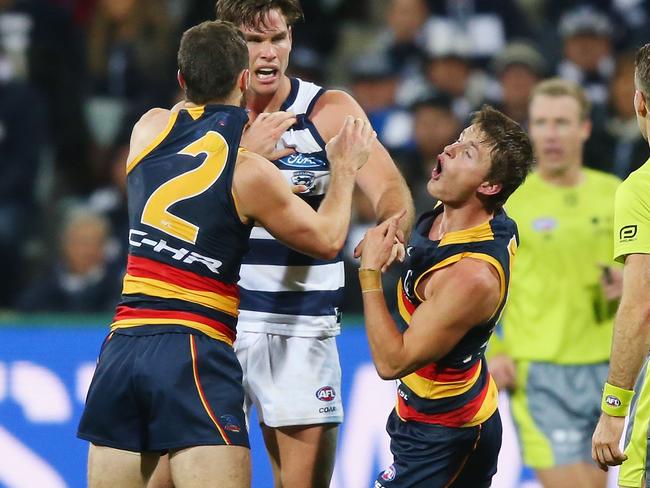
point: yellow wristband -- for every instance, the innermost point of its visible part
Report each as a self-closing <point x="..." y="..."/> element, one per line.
<point x="370" y="279"/>
<point x="616" y="401"/>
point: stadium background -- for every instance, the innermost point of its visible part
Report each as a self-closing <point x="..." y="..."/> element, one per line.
<point x="76" y="74"/>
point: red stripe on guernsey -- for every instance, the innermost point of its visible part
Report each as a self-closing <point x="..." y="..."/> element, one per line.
<point x="453" y="418"/>
<point x="148" y="268"/>
<point x="410" y="307"/>
<point x="446" y="375"/>
<point x="124" y="312"/>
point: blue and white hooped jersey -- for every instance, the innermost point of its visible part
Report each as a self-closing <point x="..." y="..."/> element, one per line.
<point x="283" y="291"/>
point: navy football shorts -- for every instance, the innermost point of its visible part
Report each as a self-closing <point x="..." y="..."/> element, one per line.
<point x="434" y="456"/>
<point x="165" y="391"/>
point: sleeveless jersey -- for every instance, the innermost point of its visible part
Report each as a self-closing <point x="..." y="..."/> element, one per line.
<point x="283" y="291"/>
<point x="186" y="240"/>
<point x="457" y="390"/>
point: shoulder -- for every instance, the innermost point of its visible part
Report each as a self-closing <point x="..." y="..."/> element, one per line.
<point x="476" y="278"/>
<point x="602" y="179"/>
<point x="145" y="130"/>
<point x="251" y="167"/>
<point x="331" y="109"/>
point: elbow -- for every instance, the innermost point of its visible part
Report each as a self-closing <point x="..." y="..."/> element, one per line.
<point x="329" y="249"/>
<point x="388" y="372"/>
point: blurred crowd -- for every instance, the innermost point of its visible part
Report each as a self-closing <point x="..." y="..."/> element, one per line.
<point x="75" y="75"/>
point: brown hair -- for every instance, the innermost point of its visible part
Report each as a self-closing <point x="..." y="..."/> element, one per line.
<point x="511" y="153"/>
<point x="210" y="58"/>
<point x="642" y="69"/>
<point x="557" y="87"/>
<point x="249" y="12"/>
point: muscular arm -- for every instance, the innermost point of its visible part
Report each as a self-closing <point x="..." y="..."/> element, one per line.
<point x="631" y="341"/>
<point x="264" y="196"/>
<point x="457" y="298"/>
<point x="379" y="179"/>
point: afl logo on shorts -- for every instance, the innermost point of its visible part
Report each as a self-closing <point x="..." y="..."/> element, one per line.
<point x="230" y="423"/>
<point x="326" y="394"/>
<point x="389" y="473"/>
<point x="627" y="233"/>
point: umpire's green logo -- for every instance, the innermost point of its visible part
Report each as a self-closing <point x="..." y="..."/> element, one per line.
<point x="627" y="233"/>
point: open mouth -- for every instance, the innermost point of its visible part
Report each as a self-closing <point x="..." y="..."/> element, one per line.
<point x="266" y="74"/>
<point x="437" y="169"/>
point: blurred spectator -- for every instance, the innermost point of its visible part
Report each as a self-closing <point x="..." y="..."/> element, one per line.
<point x="43" y="45"/>
<point x="110" y="201"/>
<point x="80" y="280"/>
<point x="306" y="64"/>
<point x="618" y="147"/>
<point x="434" y="126"/>
<point x="403" y="40"/>
<point x="22" y="133"/>
<point x="518" y="68"/>
<point x="374" y="85"/>
<point x="450" y="71"/>
<point x="588" y="55"/>
<point x="478" y="28"/>
<point x="131" y="51"/>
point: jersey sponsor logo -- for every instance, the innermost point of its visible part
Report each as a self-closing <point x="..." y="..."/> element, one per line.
<point x="326" y="394"/>
<point x="544" y="224"/>
<point x="389" y="473"/>
<point x="307" y="178"/>
<point x="138" y="238"/>
<point x="230" y="423"/>
<point x="302" y="161"/>
<point x="612" y="401"/>
<point x="627" y="233"/>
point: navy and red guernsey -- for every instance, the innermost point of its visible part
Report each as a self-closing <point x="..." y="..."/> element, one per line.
<point x="457" y="390"/>
<point x="186" y="239"/>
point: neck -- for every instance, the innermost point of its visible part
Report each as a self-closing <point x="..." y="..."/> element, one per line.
<point x="233" y="99"/>
<point x="460" y="218"/>
<point x="571" y="176"/>
<point x="257" y="103"/>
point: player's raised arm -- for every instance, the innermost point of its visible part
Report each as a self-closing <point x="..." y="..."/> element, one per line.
<point x="379" y="179"/>
<point x="289" y="218"/>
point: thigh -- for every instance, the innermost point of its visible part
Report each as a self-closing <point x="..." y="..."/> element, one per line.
<point x="211" y="466"/>
<point x="295" y="380"/>
<point x="302" y="456"/>
<point x="109" y="467"/>
<point x="555" y="409"/>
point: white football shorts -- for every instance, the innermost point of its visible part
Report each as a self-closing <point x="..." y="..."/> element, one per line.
<point x="291" y="380"/>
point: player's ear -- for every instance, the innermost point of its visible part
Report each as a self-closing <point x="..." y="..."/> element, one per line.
<point x="244" y="80"/>
<point x="488" y="188"/>
<point x="181" y="80"/>
<point x="640" y="104"/>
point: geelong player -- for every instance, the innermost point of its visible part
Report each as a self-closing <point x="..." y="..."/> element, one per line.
<point x="290" y="302"/>
<point x="445" y="429"/>
<point x="631" y="342"/>
<point x="168" y="379"/>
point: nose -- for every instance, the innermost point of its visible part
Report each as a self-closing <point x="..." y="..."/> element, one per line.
<point x="268" y="51"/>
<point x="450" y="149"/>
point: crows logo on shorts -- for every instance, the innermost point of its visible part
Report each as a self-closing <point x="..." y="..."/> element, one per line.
<point x="389" y="473"/>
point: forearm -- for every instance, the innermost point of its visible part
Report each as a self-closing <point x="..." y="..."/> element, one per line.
<point x="630" y="343"/>
<point x="335" y="210"/>
<point x="385" y="340"/>
<point x="395" y="198"/>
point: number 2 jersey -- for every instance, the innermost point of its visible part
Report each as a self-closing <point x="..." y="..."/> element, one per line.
<point x="186" y="240"/>
<point x="457" y="390"/>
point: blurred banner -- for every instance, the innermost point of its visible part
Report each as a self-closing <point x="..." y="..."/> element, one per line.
<point x="45" y="372"/>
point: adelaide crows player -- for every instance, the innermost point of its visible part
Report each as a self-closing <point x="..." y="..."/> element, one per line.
<point x="167" y="378"/>
<point x="445" y="430"/>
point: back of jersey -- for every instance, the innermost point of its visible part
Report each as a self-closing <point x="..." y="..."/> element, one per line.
<point x="186" y="240"/>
